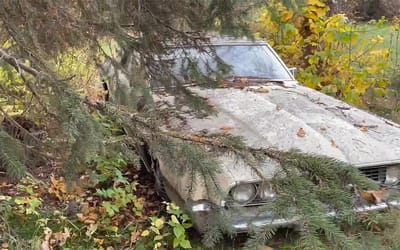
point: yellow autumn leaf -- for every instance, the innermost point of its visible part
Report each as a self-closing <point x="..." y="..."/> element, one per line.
<point x="158" y="223"/>
<point x="320" y="12"/>
<point x="173" y="206"/>
<point x="316" y="3"/>
<point x="378" y="39"/>
<point x="287" y="15"/>
<point x="145" y="233"/>
<point x="380" y="52"/>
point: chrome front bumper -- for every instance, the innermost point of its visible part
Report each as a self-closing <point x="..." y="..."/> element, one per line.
<point x="243" y="223"/>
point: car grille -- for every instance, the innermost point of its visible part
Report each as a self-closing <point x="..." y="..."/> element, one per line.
<point x="376" y="173"/>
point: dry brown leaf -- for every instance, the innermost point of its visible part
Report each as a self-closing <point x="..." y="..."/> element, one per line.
<point x="5" y="185"/>
<point x="364" y="129"/>
<point x="301" y="132"/>
<point x="46" y="242"/>
<point x="134" y="236"/>
<point x="196" y="138"/>
<point x="62" y="237"/>
<point x="262" y="90"/>
<point x="374" y="196"/>
<point x="239" y="86"/>
<point x="322" y="129"/>
<point x="87" y="219"/>
<point x="227" y="128"/>
<point x="333" y="143"/>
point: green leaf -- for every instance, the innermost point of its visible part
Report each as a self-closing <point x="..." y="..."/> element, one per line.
<point x="174" y="219"/>
<point x="155" y="230"/>
<point x="158" y="237"/>
<point x="176" y="242"/>
<point x="380" y="92"/>
<point x="110" y="208"/>
<point x="140" y="246"/>
<point x="185" y="244"/>
<point x="179" y="231"/>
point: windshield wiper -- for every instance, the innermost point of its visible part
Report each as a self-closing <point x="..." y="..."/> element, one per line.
<point x="255" y="78"/>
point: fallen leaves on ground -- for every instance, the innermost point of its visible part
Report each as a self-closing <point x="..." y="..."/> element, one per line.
<point x="78" y="211"/>
<point x="59" y="188"/>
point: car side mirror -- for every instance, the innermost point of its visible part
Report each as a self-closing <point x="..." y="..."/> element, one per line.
<point x="293" y="71"/>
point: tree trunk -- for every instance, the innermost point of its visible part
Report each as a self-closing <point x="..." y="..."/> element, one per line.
<point x="365" y="9"/>
<point x="390" y="8"/>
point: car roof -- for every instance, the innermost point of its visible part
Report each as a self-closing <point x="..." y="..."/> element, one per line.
<point x="222" y="40"/>
<point x="235" y="41"/>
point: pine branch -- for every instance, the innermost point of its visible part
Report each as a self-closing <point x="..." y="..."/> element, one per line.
<point x="11" y="156"/>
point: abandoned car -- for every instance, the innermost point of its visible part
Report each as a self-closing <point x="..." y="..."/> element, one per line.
<point x="272" y="110"/>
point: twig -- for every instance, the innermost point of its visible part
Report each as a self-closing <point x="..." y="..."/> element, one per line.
<point x="18" y="65"/>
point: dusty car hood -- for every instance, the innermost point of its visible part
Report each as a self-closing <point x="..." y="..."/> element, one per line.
<point x="297" y="117"/>
<point x="286" y="118"/>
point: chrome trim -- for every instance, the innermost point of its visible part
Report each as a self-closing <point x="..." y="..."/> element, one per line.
<point x="201" y="207"/>
<point x="373" y="164"/>
<point x="244" y="223"/>
<point x="241" y="224"/>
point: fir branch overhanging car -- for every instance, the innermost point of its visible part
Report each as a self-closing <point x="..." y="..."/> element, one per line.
<point x="262" y="103"/>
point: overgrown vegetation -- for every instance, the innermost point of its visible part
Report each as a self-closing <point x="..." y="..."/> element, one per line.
<point x="333" y="54"/>
<point x="103" y="212"/>
<point x="49" y="59"/>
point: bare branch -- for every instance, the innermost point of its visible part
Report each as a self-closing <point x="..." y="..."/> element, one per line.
<point x="17" y="64"/>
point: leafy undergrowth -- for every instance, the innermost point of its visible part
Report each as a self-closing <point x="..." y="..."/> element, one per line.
<point x="115" y="207"/>
<point x="112" y="207"/>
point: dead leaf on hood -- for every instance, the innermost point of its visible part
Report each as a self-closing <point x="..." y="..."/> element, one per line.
<point x="262" y="90"/>
<point x="374" y="196"/>
<point x="301" y="132"/>
<point x="197" y="138"/>
<point x="364" y="129"/>
<point x="227" y="128"/>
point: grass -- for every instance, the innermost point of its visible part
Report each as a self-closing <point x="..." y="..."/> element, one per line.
<point x="391" y="38"/>
<point x="389" y="105"/>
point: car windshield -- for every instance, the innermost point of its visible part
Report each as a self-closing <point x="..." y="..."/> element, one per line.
<point x="256" y="61"/>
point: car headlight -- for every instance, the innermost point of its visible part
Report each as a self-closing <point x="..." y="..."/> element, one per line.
<point x="243" y="193"/>
<point x="266" y="192"/>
